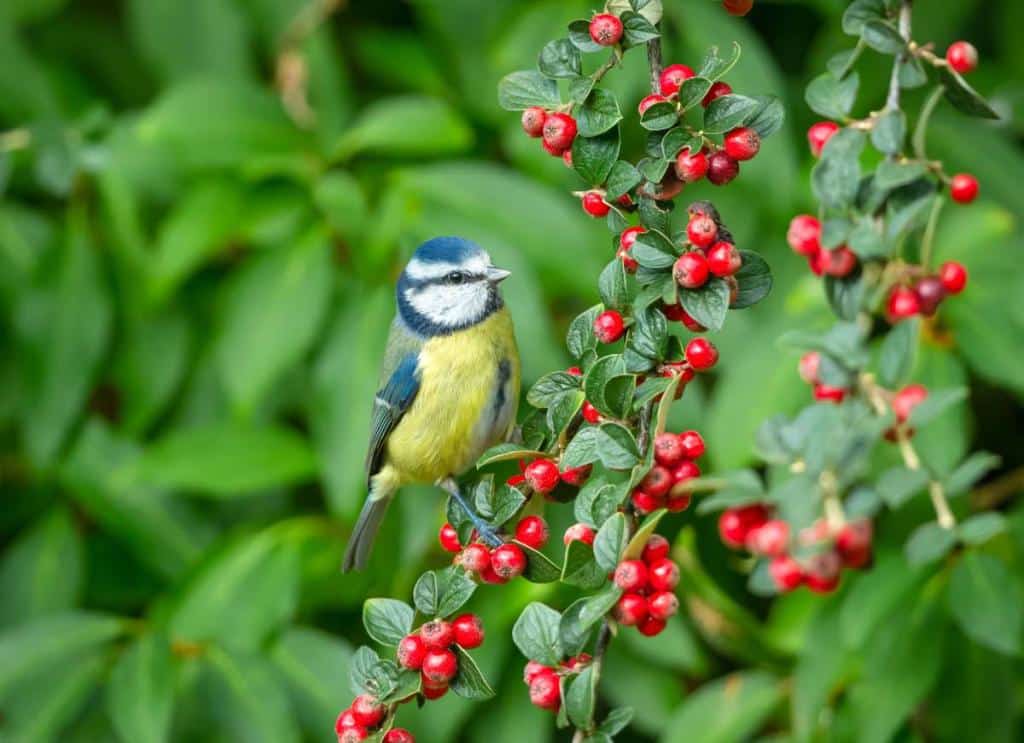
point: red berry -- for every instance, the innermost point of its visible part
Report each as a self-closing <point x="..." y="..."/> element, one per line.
<point x="533" y="121"/>
<point x="819" y="134"/>
<point x="345" y="720"/>
<point x="663" y="605"/>
<point x="515" y="480"/>
<point x="839" y="262"/>
<point x="594" y="204"/>
<point x="353" y="734"/>
<point x="735" y="524"/>
<point x="552" y="150"/>
<point x="907" y="399"/>
<point x="737" y="7"/>
<point x="567" y="158"/>
<point x="651" y="626"/>
<point x="399" y="735"/>
<point x="963" y="188"/>
<point x="953" y="277"/>
<point x="663" y="575"/>
<point x="722" y="168"/>
<point x="574" y="371"/>
<point x="367" y="711"/>
<point x="677" y="503"/>
<point x="701" y="354"/>
<point x="962" y="57"/>
<point x="437" y="634"/>
<point x="629" y="236"/>
<point x="605" y="29"/>
<point x="578" y="533"/>
<point x="432" y="689"/>
<point x="724" y="259"/>
<point x="631" y="575"/>
<point x="903" y="303"/>
<point x="742" y="143"/>
<point x="649" y="101"/>
<point x="508" y="561"/>
<point x="853" y="543"/>
<point x="808" y="368"/>
<point x="822" y="574"/>
<point x="544" y="690"/>
<point x="532" y="531"/>
<point x="691" y="167"/>
<point x="468" y="630"/>
<point x="668" y="449"/>
<point x="771" y="538"/>
<point x="716" y="91"/>
<point x="657" y="482"/>
<point x="672" y="77"/>
<point x="691" y="270"/>
<point x="702" y="231"/>
<point x="411" y="651"/>
<point x="542" y="475"/>
<point x="677" y="313"/>
<point x="440" y="666"/>
<point x="804" y="235"/>
<point x="657" y="548"/>
<point x="693" y="444"/>
<point x="590" y="413"/>
<point x="644" y="502"/>
<point x="577" y="662"/>
<point x="828" y="393"/>
<point x="531" y="669"/>
<point x="449" y="538"/>
<point x="609" y="326"/>
<point x="685" y="470"/>
<point x="630" y="610"/>
<point x="786" y="572"/>
<point x="476" y="558"/>
<point x="559" y="131"/>
<point x="930" y="292"/>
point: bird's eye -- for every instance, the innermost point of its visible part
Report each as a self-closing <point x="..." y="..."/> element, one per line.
<point x="455" y="277"/>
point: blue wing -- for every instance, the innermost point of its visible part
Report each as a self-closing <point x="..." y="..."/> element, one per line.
<point x="391" y="403"/>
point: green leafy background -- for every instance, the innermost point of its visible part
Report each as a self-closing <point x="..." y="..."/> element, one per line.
<point x="195" y="292"/>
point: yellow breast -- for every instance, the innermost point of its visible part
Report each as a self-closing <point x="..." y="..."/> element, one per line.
<point x="460" y="409"/>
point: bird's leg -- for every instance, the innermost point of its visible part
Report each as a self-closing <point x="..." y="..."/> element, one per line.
<point x="483" y="529"/>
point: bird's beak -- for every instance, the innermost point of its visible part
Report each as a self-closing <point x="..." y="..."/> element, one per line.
<point x="496" y="275"/>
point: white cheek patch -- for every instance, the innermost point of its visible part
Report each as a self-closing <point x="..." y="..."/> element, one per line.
<point x="450" y="306"/>
<point x="418" y="270"/>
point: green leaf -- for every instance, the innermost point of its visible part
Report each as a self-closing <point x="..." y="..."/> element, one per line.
<point x="707" y="305"/>
<point x="579" y="35"/>
<point x="441" y="593"/>
<point x="928" y="543"/>
<point x="910" y="72"/>
<point x="616" y="721"/>
<point x="387" y="620"/>
<point x="692" y="92"/>
<point x="604" y="370"/>
<point x="643" y="532"/>
<point x="768" y="117"/>
<point x="559" y="59"/>
<point x="963" y="97"/>
<point x="140" y="695"/>
<point x="499" y="504"/>
<point x="469" y="682"/>
<point x="593" y="157"/>
<point x="539" y="568"/>
<point x="660" y="116"/>
<point x="598" y="114"/>
<point x="891" y="174"/>
<point x="889" y="132"/>
<point x="224" y="459"/>
<point x="406" y="126"/>
<point x="937" y="403"/>
<point x="579" y="567"/>
<point x="883" y="37"/>
<point x="837" y="173"/>
<point x="251" y="703"/>
<point x="987" y="602"/>
<point x="714" y="66"/>
<point x="729" y="111"/>
<point x="622" y="178"/>
<point x="859" y="13"/>
<point x="535" y="633"/>
<point x="363" y="671"/>
<point x="591" y="610"/>
<point x="507" y="452"/>
<point x="551" y="387"/>
<point x="832" y="97"/>
<point x="970" y="471"/>
<point x="754" y="279"/>
<point x="653" y="250"/>
<point x="520" y="90"/>
<point x="610" y="542"/>
<point x="613" y="285"/>
<point x="582" y="449"/>
<point x="616" y="447"/>
<point x="637" y="29"/>
<point x="580" y="337"/>
<point x="579" y="698"/>
<point x="845" y="295"/>
<point x="898" y="353"/>
<point x="841" y="63"/>
<point x="898" y="484"/>
<point x="981" y="528"/>
<point x="750" y="697"/>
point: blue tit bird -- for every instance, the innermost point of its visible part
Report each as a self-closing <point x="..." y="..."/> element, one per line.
<point x="449" y="385"/>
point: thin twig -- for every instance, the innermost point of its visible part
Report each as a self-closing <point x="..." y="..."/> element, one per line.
<point x="654" y="62"/>
<point x="892" y="102"/>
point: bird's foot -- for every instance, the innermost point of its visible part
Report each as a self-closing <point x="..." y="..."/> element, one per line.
<point x="484" y="531"/>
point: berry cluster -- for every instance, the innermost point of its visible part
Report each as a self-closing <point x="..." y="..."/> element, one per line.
<point x="674" y="456"/>
<point x="555" y="129"/>
<point x="363" y="718"/>
<point x="545" y="682"/>
<point x="922" y="295"/>
<point x="814" y="559"/>
<point x="431" y="651"/>
<point x="648" y="585"/>
<point x="491" y="565"/>
<point x="804" y="237"/>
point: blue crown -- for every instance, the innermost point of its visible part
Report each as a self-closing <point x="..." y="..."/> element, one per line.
<point x="447" y="250"/>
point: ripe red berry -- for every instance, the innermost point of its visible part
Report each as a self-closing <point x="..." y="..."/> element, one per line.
<point x="345" y="720"/>
<point x="691" y="270"/>
<point x="449" y="538"/>
<point x="908" y="398"/>
<point x="559" y="131"/>
<point x="574" y="371"/>
<point x="808" y="368"/>
<point x="677" y="503"/>
<point x="647" y="101"/>
<point x="626" y="240"/>
<point x="839" y="262"/>
<point x="770" y="538"/>
<point x="437" y="634"/>
<point x="657" y="482"/>
<point x="853" y="543"/>
<point x="786" y="573"/>
<point x="668" y="449"/>
<point x="580" y="533"/>
<point x="672" y="77"/>
<point x="701" y="354"/>
<point x="903" y="303"/>
<point x="677" y="313"/>
<point x="440" y="666"/>
<point x="533" y="121"/>
<point x="685" y="470"/>
<point x="953" y="276"/>
<point x="399" y="735"/>
<point x="662" y="605"/>
<point x="531" y="669"/>
<point x="367" y="711"/>
<point x="828" y="393"/>
<point x="468" y="631"/>
<point x="657" y="548"/>
<point x="962" y="57"/>
<point x="651" y="626"/>
<point x="722" y="168"/>
<point x="629" y="236"/>
<point x="609" y="326"/>
<point x="724" y="259"/>
<point x="737" y="7"/>
<point x="963" y="188"/>
<point x="716" y="91"/>
<point x="542" y="475"/>
<point x="663" y="575"/>
<point x="411" y="652"/>
<point x="693" y="444"/>
<point x="532" y="531"/>
<point x="702" y="231"/>
<point x="742" y="143"/>
<point x="353" y="734"/>
<point x="930" y="292"/>
<point x="644" y="502"/>
<point x="508" y="561"/>
<point x="594" y="204"/>
<point x="819" y="134"/>
<point x="631" y="575"/>
<point x="432" y="689"/>
<point x="735" y="524"/>
<point x="605" y="29"/>
<point x="804" y="235"/>
<point x="577" y="662"/>
<point x="590" y="413"/>
<point x="476" y="558"/>
<point x="691" y="167"/>
<point x="544" y="690"/>
<point x="822" y="573"/>
<point x="567" y="158"/>
<point x="630" y="610"/>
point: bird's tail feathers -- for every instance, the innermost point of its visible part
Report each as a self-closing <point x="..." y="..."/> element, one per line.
<point x="360" y="543"/>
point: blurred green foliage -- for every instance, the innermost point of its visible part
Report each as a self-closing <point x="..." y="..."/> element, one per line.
<point x="204" y="206"/>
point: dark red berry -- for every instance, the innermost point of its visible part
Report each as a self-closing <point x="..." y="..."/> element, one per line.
<point x="542" y="475"/>
<point x="533" y="121"/>
<point x="594" y="204"/>
<point x="559" y="131"/>
<point x="822" y="573"/>
<point x="630" y="610"/>
<point x="691" y="270"/>
<point x="953" y="276"/>
<point x="657" y="482"/>
<point x="449" y="538"/>
<point x="576" y="476"/>
<point x="672" y="77"/>
<point x="853" y="543"/>
<point x="578" y="533"/>
<point x="436" y="634"/>
<point x="930" y="292"/>
<point x="908" y="398"/>
<point x="544" y="690"/>
<point x="737" y="7"/>
<point x="651" y="626"/>
<point x="693" y="444"/>
<point x="722" y="168"/>
<point x="903" y="303"/>
<point x="839" y="262"/>
<point x="819" y="134"/>
<point x="468" y="630"/>
<point x="605" y="29"/>
<point x="590" y="413"/>
<point x="411" y="652"/>
<point x="668" y="449"/>
<point x="662" y="605"/>
<point x="631" y="575"/>
<point x="691" y="167"/>
<point x="476" y="558"/>
<point x="716" y="91"/>
<point x="648" y="101"/>
<point x="724" y="259"/>
<point x="432" y="689"/>
<point x="508" y="561"/>
<point x="609" y="326"/>
<point x="663" y="575"/>
<point x="963" y="188"/>
<point x="532" y="531"/>
<point x="701" y="354"/>
<point x="962" y="57"/>
<point x="644" y="502"/>
<point x="742" y="143"/>
<point x="399" y="735"/>
<point x="770" y="538"/>
<point x="677" y="503"/>
<point x="786" y="573"/>
<point x="808" y="368"/>
<point x="657" y="548"/>
<point x="828" y="393"/>
<point x="804" y="235"/>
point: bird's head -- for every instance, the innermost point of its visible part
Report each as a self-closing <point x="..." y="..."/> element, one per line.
<point x="448" y="285"/>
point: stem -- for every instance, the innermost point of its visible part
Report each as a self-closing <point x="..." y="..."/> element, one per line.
<point x="929" y="231"/>
<point x="921" y="130"/>
<point x="604" y="638"/>
<point x="937" y="493"/>
<point x="892" y="102"/>
<point x="654" y="63"/>
<point x="601" y="71"/>
<point x="835" y="517"/>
